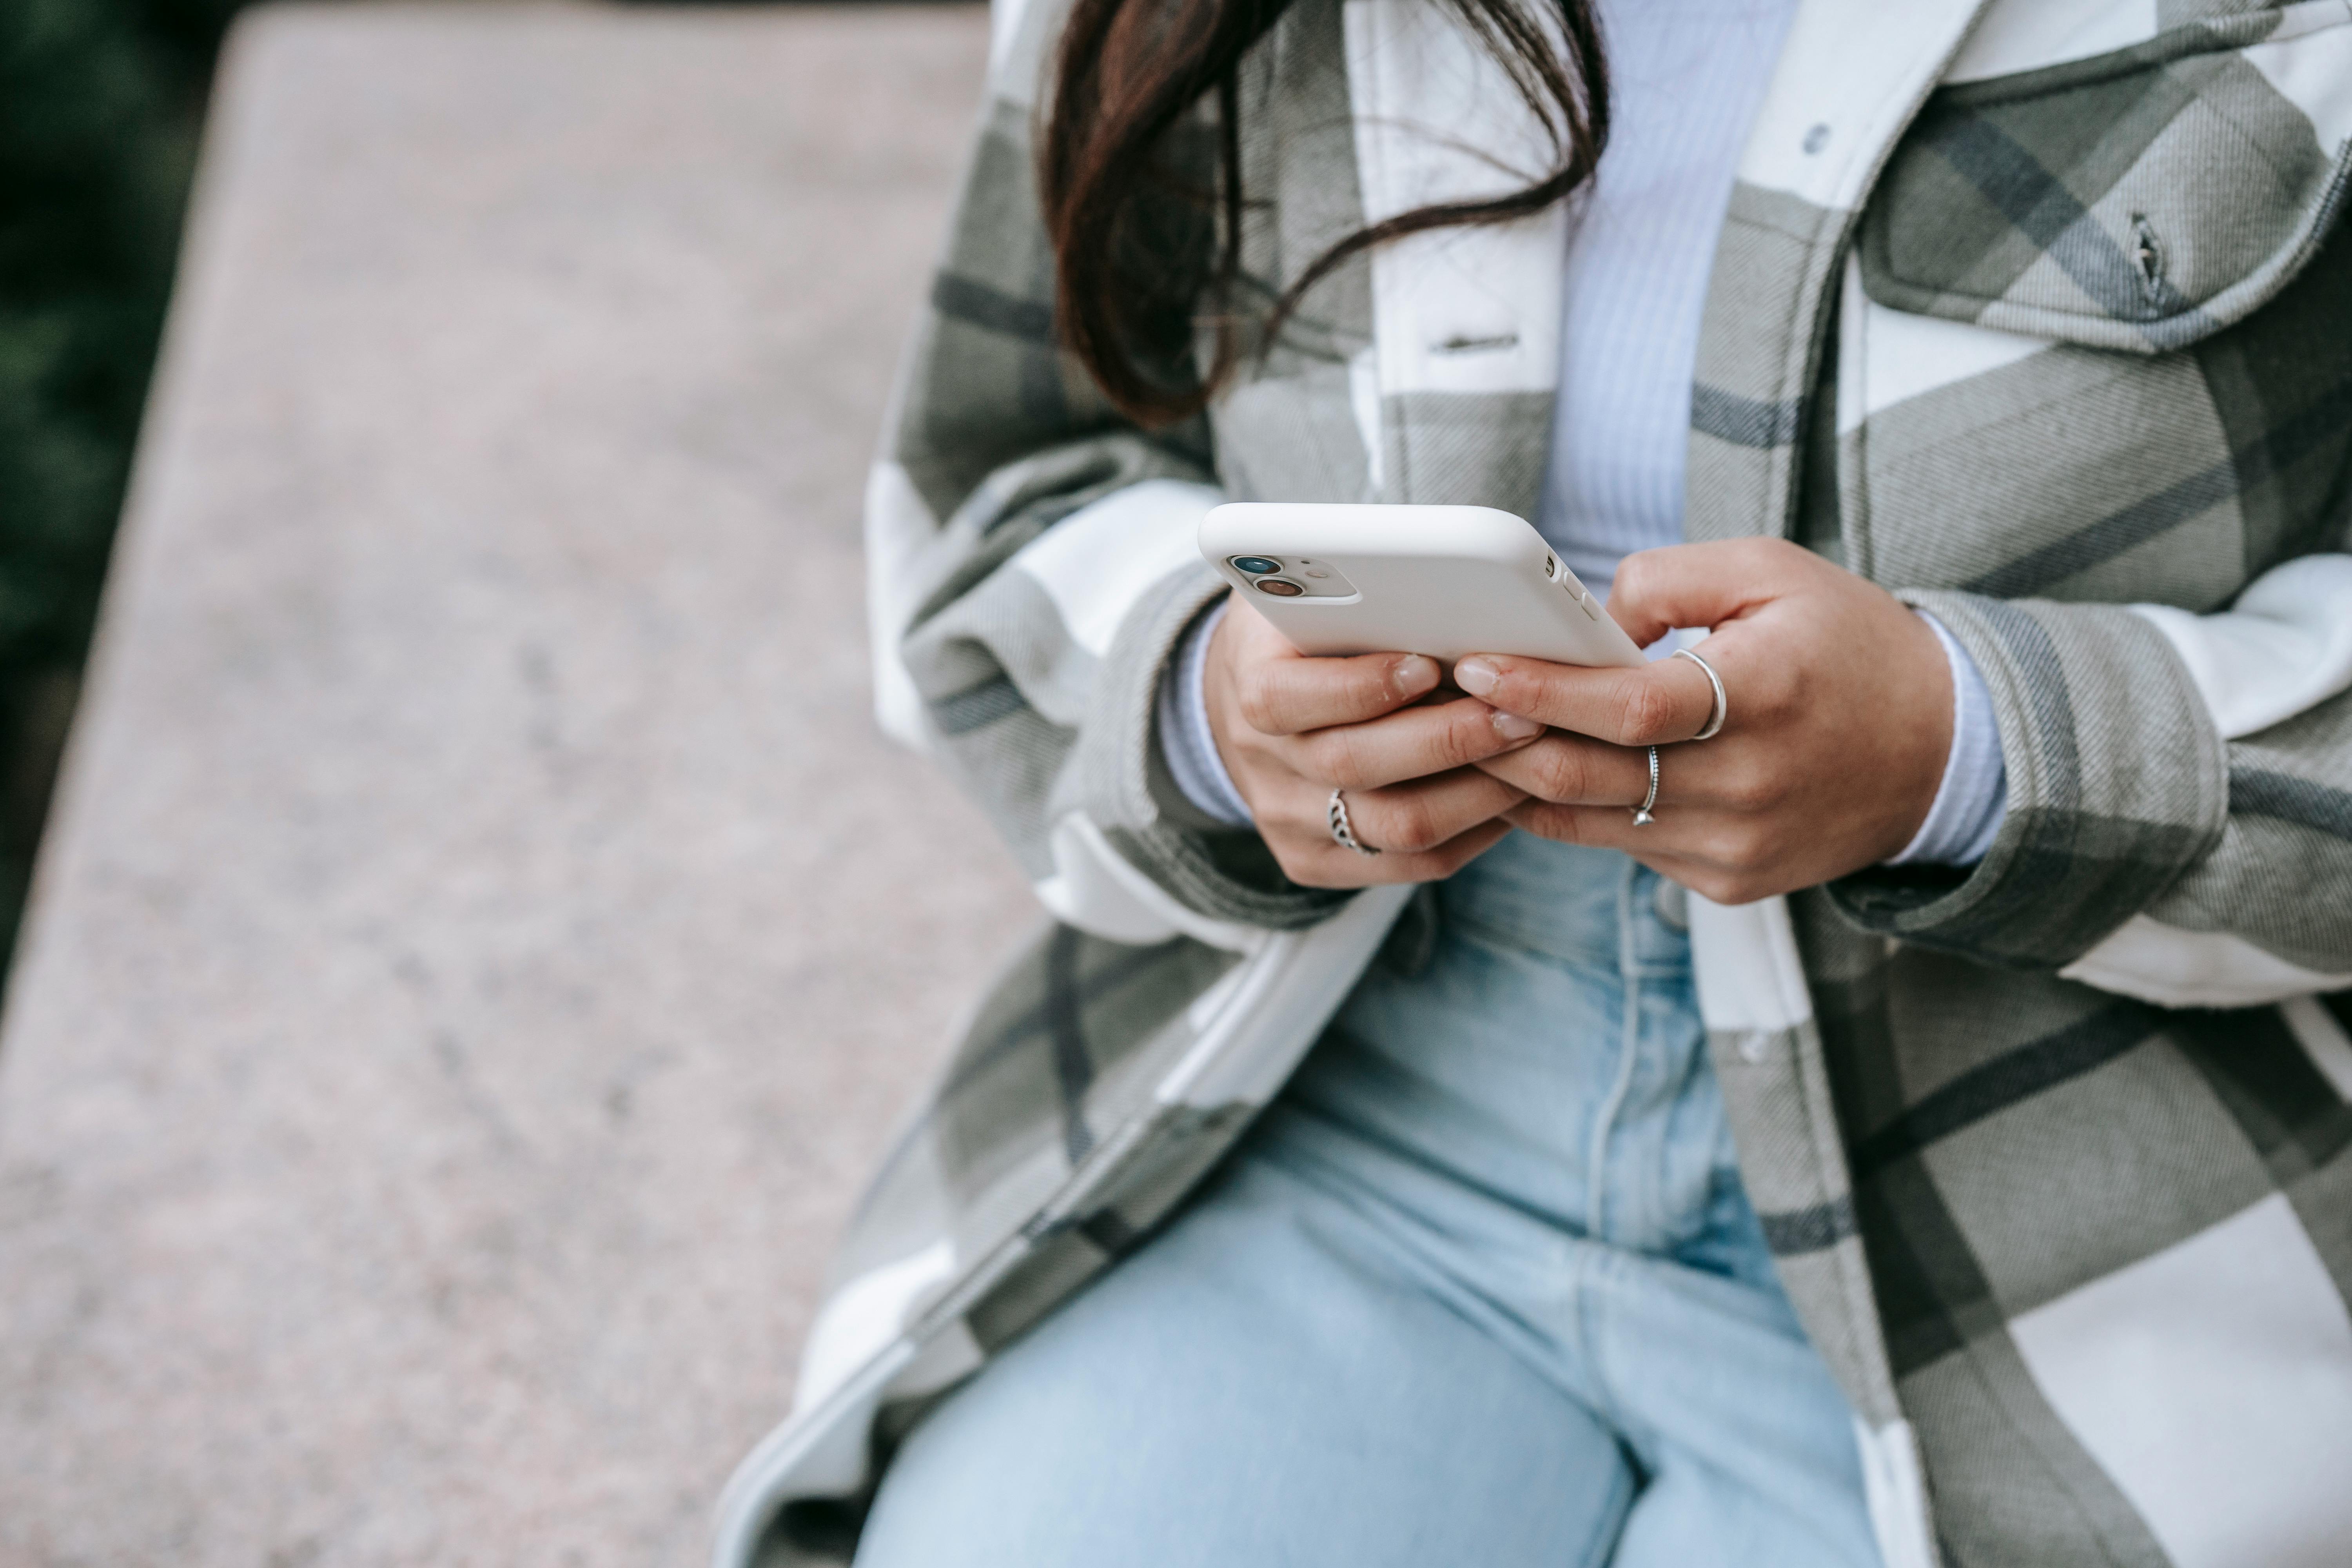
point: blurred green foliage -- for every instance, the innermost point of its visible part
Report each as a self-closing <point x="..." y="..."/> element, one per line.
<point x="99" y="105"/>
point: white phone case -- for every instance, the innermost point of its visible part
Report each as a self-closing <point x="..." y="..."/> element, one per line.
<point x="1445" y="581"/>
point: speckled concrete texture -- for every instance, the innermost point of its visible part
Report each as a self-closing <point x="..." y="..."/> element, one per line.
<point x="482" y="941"/>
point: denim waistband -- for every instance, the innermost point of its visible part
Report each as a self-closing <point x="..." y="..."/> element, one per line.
<point x="1589" y="908"/>
<point x="1543" y="1048"/>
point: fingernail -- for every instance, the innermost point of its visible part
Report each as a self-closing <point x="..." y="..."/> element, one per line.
<point x="1477" y="677"/>
<point x="1414" y="674"/>
<point x="1511" y="727"/>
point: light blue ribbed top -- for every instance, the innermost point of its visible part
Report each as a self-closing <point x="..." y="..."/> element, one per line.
<point x="1688" y="78"/>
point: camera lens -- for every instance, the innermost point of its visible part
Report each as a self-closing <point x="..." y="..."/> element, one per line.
<point x="1255" y="566"/>
<point x="1280" y="588"/>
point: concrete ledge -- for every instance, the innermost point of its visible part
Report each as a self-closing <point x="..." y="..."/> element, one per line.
<point x="482" y="941"/>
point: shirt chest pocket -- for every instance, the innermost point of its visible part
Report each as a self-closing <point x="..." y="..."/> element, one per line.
<point x="2095" y="341"/>
<point x="2138" y="200"/>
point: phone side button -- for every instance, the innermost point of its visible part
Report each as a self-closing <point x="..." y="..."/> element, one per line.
<point x="1591" y="611"/>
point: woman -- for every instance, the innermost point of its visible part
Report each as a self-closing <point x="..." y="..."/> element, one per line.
<point x="1924" y="1138"/>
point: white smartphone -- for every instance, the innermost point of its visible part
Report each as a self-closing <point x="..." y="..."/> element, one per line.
<point x="1444" y="581"/>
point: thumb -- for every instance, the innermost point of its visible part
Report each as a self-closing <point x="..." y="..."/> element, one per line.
<point x="1697" y="584"/>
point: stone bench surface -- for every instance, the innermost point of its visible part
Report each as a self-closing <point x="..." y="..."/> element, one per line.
<point x="482" y="941"/>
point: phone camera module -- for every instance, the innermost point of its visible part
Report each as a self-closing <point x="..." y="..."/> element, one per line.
<point x="1280" y="588"/>
<point x="1255" y="566"/>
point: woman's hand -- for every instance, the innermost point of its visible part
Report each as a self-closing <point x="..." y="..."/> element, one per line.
<point x="1292" y="729"/>
<point x="1840" y="704"/>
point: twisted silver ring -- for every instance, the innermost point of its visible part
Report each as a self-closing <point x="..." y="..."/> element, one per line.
<point x="1722" y="708"/>
<point x="1341" y="833"/>
<point x="1642" y="817"/>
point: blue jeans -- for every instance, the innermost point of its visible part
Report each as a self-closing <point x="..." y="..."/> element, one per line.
<point x="1483" y="1287"/>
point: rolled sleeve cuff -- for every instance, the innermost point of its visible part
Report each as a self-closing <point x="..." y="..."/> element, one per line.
<point x="2115" y="783"/>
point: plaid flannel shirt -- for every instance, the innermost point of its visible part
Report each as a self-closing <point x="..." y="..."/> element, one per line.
<point x="2038" y="312"/>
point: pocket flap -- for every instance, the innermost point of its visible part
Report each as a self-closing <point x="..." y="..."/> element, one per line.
<point x="2135" y="200"/>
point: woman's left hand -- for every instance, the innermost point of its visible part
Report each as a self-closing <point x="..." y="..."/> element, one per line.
<point x="1840" y="717"/>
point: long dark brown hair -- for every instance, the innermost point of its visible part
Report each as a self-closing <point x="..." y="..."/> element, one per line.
<point x="1128" y="76"/>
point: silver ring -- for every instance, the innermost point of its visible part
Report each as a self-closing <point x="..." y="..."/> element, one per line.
<point x="1341" y="833"/>
<point x="1722" y="708"/>
<point x="1642" y="817"/>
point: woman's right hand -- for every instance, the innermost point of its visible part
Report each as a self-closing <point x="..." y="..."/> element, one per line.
<point x="1291" y="729"/>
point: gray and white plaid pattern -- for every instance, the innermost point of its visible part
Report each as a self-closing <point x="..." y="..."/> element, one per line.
<point x="2027" y="331"/>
